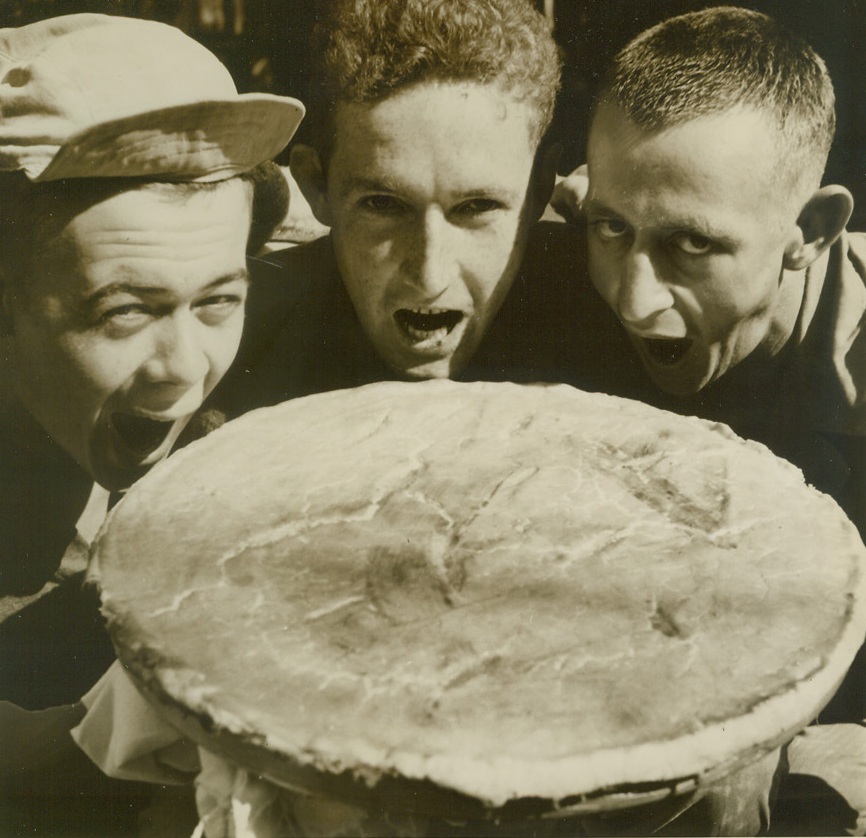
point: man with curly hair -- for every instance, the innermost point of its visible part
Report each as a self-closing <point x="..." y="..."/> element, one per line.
<point x="430" y="163"/>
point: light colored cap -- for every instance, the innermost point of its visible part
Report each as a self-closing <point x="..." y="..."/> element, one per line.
<point x="103" y="96"/>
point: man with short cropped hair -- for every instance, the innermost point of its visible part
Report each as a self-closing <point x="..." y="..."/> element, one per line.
<point x="717" y="248"/>
<point x="133" y="181"/>
<point x="733" y="290"/>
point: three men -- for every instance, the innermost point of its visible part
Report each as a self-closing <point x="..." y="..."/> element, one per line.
<point x="131" y="191"/>
<point x="713" y="248"/>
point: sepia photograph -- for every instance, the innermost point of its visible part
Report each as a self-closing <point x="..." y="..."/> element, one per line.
<point x="432" y="418"/>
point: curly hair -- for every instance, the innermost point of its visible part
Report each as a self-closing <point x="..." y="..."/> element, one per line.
<point x="29" y="210"/>
<point x="710" y="61"/>
<point x="364" y="50"/>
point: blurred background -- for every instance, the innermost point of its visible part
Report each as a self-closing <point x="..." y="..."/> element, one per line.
<point x="263" y="43"/>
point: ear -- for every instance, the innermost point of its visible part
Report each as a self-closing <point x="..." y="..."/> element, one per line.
<point x="306" y="167"/>
<point x="569" y="194"/>
<point x="820" y="223"/>
<point x="544" y="177"/>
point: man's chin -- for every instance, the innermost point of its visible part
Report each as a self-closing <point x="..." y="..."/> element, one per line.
<point x="440" y="368"/>
<point x="116" y="478"/>
<point x="681" y="380"/>
<point x="420" y="366"/>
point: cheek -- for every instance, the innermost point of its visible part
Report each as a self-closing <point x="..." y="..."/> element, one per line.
<point x="221" y="345"/>
<point x="489" y="258"/>
<point x="76" y="365"/>
<point x="103" y="365"/>
<point x="358" y="235"/>
<point x="735" y="295"/>
<point x="602" y="270"/>
<point x="68" y="384"/>
<point x="366" y="270"/>
<point x="489" y="288"/>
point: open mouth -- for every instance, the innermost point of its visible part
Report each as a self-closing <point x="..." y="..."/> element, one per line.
<point x="667" y="352"/>
<point x="423" y="324"/>
<point x="140" y="434"/>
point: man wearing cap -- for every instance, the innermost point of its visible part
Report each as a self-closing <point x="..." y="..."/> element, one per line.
<point x="133" y="181"/>
<point x="430" y="164"/>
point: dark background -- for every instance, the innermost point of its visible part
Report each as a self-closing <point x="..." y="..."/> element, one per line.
<point x="263" y="43"/>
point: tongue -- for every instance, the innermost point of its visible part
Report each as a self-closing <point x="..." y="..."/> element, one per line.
<point x="139" y="434"/>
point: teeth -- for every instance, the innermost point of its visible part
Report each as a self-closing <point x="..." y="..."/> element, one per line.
<point x="421" y="322"/>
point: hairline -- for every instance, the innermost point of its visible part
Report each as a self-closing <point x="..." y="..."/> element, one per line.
<point x="325" y="136"/>
<point x="366" y="51"/>
<point x="713" y="60"/>
<point x="800" y="168"/>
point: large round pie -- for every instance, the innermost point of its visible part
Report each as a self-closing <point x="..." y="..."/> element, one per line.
<point x="483" y="594"/>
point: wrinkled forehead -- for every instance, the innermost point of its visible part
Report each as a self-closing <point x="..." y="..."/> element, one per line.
<point x="721" y="173"/>
<point x="53" y="216"/>
<point x="434" y="142"/>
<point x="738" y="144"/>
<point x="73" y="199"/>
<point x="610" y="122"/>
<point x="85" y="237"/>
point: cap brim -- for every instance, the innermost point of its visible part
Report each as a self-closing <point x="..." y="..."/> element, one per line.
<point x="205" y="141"/>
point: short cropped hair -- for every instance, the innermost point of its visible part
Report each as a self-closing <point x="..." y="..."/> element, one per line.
<point x="362" y="51"/>
<point x="710" y="61"/>
<point x="28" y="211"/>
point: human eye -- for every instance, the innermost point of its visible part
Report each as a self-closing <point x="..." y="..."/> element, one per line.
<point x="609" y="229"/>
<point x="124" y="319"/>
<point x="382" y="204"/>
<point x="693" y="244"/>
<point x="217" y="308"/>
<point x="479" y="206"/>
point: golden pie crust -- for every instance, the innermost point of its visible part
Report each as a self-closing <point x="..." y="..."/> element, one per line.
<point x="482" y="593"/>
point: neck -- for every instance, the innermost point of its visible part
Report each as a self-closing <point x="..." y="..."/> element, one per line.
<point x="784" y="317"/>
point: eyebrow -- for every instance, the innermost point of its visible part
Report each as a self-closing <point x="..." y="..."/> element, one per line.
<point x="599" y="206"/>
<point x="690" y="226"/>
<point x="370" y="184"/>
<point x="484" y="192"/>
<point x="365" y="184"/>
<point x="138" y="289"/>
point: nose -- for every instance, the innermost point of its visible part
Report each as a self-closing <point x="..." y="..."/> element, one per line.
<point x="431" y="262"/>
<point x="642" y="293"/>
<point x="179" y="357"/>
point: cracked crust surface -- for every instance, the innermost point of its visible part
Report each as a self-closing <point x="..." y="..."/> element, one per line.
<point x="501" y="591"/>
